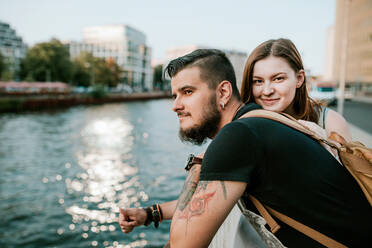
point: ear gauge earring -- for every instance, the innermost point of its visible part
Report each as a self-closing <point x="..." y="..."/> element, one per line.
<point x="222" y="105"/>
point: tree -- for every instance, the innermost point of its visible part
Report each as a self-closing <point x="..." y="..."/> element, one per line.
<point x="6" y="72"/>
<point x="48" y="61"/>
<point x="90" y="70"/>
<point x="83" y="69"/>
<point x="158" y="81"/>
<point x="114" y="75"/>
<point x="3" y="65"/>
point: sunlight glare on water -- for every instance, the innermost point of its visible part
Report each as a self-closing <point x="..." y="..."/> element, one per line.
<point x="108" y="181"/>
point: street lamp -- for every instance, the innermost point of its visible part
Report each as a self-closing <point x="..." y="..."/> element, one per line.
<point x="340" y="102"/>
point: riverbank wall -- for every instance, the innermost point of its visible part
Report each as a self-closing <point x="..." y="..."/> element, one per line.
<point x="42" y="102"/>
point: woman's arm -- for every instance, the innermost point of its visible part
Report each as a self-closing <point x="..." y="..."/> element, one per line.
<point x="337" y="123"/>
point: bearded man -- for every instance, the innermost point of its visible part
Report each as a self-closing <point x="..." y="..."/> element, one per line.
<point x="283" y="168"/>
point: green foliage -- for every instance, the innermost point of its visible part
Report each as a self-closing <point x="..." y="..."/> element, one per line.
<point x="98" y="91"/>
<point x="50" y="61"/>
<point x="90" y="70"/>
<point x="3" y="65"/>
<point x="83" y="69"/>
<point x="112" y="75"/>
<point x="7" y="75"/>
<point x="158" y="77"/>
<point x="47" y="61"/>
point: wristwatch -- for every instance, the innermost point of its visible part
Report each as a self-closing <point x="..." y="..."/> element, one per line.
<point x="191" y="160"/>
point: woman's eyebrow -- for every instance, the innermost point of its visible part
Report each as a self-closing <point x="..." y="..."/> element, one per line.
<point x="276" y="74"/>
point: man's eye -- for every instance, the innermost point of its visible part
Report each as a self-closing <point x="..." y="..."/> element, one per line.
<point x="174" y="97"/>
<point x="188" y="92"/>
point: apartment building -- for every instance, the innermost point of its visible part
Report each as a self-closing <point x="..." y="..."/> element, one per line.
<point x="12" y="48"/>
<point x="127" y="46"/>
<point x="353" y="25"/>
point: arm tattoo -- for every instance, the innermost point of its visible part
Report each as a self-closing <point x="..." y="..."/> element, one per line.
<point x="224" y="189"/>
<point x="188" y="189"/>
<point x="195" y="197"/>
<point x="199" y="202"/>
<point x="203" y="185"/>
<point x="197" y="205"/>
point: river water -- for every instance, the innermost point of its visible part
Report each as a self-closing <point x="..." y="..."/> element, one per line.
<point x="65" y="173"/>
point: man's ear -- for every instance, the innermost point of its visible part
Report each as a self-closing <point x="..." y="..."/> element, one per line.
<point x="300" y="78"/>
<point x="224" y="92"/>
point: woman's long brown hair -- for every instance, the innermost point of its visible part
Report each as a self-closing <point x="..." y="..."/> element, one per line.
<point x="304" y="107"/>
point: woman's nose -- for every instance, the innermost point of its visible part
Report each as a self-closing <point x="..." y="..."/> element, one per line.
<point x="268" y="89"/>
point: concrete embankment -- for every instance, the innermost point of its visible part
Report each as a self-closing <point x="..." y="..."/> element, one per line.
<point x="40" y="102"/>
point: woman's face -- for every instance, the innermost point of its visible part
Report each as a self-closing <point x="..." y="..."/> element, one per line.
<point x="275" y="83"/>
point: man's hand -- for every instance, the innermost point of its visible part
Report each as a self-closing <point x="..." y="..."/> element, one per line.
<point x="130" y="218"/>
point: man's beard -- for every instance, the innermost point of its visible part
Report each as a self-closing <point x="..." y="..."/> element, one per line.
<point x="198" y="134"/>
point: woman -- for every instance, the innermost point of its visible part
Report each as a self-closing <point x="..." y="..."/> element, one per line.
<point x="274" y="78"/>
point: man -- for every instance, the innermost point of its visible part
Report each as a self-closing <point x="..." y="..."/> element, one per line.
<point x="283" y="168"/>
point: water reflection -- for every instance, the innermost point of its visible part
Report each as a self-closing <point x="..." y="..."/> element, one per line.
<point x="64" y="174"/>
<point x="108" y="180"/>
<point x="108" y="133"/>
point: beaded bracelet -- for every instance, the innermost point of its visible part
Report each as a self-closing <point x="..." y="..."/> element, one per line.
<point x="154" y="214"/>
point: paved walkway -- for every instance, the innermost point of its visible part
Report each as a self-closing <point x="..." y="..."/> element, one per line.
<point x="362" y="99"/>
<point x="360" y="135"/>
<point x="357" y="133"/>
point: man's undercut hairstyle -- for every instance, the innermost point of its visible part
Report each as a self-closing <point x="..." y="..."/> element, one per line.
<point x="214" y="67"/>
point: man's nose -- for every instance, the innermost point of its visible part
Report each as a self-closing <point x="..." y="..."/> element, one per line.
<point x="268" y="89"/>
<point x="177" y="105"/>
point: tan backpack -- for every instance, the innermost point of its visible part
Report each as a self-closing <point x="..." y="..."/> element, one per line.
<point x="356" y="157"/>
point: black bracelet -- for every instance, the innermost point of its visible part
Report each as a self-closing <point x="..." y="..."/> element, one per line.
<point x="149" y="217"/>
<point x="155" y="216"/>
<point x="161" y="214"/>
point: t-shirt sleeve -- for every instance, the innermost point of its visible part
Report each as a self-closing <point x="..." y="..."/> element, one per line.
<point x="234" y="154"/>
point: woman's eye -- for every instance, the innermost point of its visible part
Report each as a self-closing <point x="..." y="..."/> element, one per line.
<point x="188" y="92"/>
<point x="279" y="78"/>
<point x="257" y="81"/>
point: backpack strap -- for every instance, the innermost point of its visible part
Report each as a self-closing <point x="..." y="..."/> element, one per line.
<point x="308" y="231"/>
<point x="287" y="120"/>
<point x="274" y="226"/>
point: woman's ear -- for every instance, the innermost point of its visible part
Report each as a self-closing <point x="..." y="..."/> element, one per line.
<point x="224" y="92"/>
<point x="300" y="78"/>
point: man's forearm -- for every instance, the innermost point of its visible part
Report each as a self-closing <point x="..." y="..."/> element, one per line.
<point x="187" y="192"/>
<point x="192" y="179"/>
<point x="189" y="187"/>
<point x="168" y="209"/>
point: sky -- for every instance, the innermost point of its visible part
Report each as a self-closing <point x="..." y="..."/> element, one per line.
<point x="234" y="25"/>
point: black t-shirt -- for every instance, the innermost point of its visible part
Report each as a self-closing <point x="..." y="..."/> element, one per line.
<point x="293" y="174"/>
